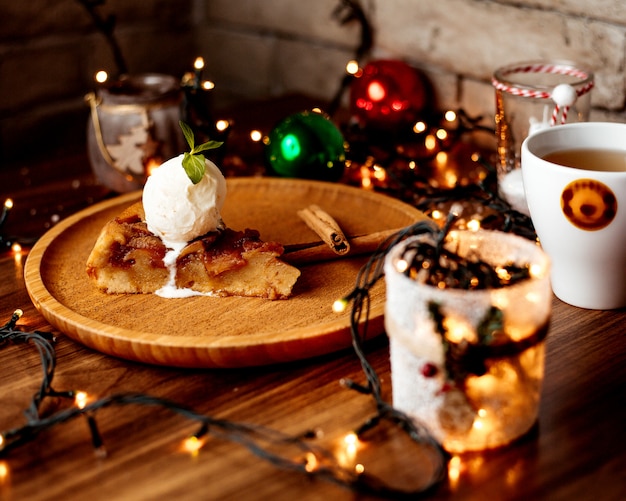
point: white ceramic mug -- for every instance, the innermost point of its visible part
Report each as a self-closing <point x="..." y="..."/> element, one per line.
<point x="579" y="214"/>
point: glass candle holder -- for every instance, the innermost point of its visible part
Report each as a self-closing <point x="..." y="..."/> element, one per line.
<point x="468" y="364"/>
<point x="133" y="127"/>
<point x="531" y="96"/>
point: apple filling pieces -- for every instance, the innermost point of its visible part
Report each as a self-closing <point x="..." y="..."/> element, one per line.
<point x="127" y="258"/>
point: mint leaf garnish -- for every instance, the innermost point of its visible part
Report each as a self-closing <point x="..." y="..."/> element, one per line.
<point x="194" y="161"/>
<point x="194" y="166"/>
<point x="188" y="133"/>
<point x="209" y="145"/>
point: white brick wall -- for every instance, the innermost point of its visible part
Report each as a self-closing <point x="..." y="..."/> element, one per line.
<point x="608" y="10"/>
<point x="257" y="49"/>
<point x="458" y="43"/>
<point x="49" y="52"/>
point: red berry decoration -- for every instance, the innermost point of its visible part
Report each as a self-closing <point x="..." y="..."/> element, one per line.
<point x="429" y="370"/>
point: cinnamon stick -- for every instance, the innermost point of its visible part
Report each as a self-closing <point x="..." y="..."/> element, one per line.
<point x="326" y="228"/>
<point x="319" y="252"/>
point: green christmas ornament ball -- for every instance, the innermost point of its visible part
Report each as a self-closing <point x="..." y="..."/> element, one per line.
<point x="306" y="145"/>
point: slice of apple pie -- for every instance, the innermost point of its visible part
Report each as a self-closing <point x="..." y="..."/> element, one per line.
<point x="128" y="258"/>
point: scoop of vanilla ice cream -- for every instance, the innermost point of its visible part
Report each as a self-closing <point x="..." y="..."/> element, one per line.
<point x="177" y="210"/>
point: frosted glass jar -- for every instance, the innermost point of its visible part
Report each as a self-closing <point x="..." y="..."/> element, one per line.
<point x="472" y="392"/>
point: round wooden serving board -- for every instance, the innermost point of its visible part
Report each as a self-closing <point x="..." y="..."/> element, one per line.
<point x="217" y="331"/>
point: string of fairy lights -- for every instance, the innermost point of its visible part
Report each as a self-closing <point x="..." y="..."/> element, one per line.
<point x="309" y="458"/>
<point x="297" y="453"/>
<point x="7" y="242"/>
<point x="400" y="163"/>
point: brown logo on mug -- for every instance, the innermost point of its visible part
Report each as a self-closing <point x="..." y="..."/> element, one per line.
<point x="588" y="204"/>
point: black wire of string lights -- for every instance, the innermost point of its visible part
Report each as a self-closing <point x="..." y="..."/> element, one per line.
<point x="263" y="442"/>
<point x="5" y="242"/>
<point x="348" y="11"/>
<point x="367" y="277"/>
<point x="10" y="242"/>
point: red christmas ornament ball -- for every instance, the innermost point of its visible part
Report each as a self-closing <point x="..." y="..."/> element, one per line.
<point x="387" y="94"/>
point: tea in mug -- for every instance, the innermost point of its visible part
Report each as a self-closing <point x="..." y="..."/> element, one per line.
<point x="589" y="159"/>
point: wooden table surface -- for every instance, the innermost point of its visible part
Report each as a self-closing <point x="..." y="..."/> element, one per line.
<point x="576" y="452"/>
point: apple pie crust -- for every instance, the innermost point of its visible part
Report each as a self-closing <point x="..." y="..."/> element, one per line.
<point x="128" y="258"/>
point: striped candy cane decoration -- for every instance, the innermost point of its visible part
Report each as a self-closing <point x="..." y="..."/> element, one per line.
<point x="563" y="95"/>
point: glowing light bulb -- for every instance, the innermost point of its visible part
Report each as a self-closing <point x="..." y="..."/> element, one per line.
<point x="222" y="125"/>
<point x="80" y="399"/>
<point x="503" y="274"/>
<point x="430" y="142"/>
<point x="442" y="134"/>
<point x="536" y="271"/>
<point x="458" y="330"/>
<point x="340" y="305"/>
<point x="310" y="462"/>
<point x="198" y="64"/>
<point x="351" y="439"/>
<point x="352" y="67"/>
<point x="473" y="224"/>
<point x="151" y="166"/>
<point x="454" y="470"/>
<point x="376" y="91"/>
<point x="450" y="116"/>
<point x="347" y="451"/>
<point x="4" y="468"/>
<point x="402" y="265"/>
<point x="419" y="127"/>
<point x="441" y="158"/>
<point x="8" y="203"/>
<point x="101" y="76"/>
<point x="256" y="135"/>
<point x="193" y="444"/>
<point x="1" y="442"/>
<point x="380" y="174"/>
<point x="359" y="468"/>
<point x="366" y="178"/>
<point x="208" y="85"/>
